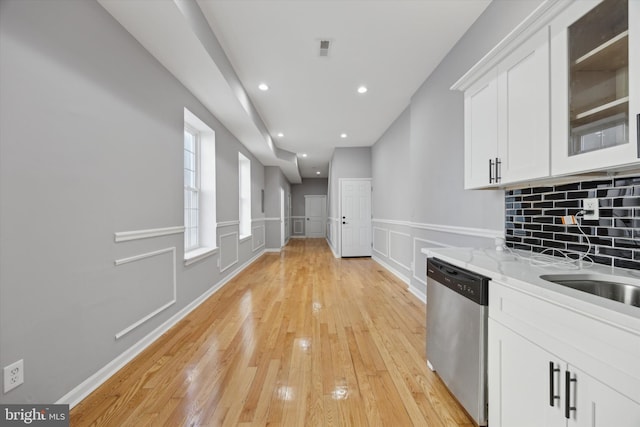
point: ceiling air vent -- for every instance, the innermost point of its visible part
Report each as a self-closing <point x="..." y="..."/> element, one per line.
<point x="324" y="47"/>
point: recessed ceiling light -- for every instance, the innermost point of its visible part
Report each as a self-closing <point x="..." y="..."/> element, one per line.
<point x="362" y="89"/>
<point x="263" y="86"/>
<point x="304" y="154"/>
<point x="280" y="135"/>
<point x="318" y="173"/>
<point x="343" y="135"/>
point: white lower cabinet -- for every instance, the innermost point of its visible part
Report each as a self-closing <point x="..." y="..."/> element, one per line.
<point x="533" y="374"/>
<point x="528" y="387"/>
<point x="519" y="381"/>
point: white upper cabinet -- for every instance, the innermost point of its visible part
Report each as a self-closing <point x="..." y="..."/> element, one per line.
<point x="507" y="107"/>
<point x="523" y="111"/>
<point x="595" y="54"/>
<point x="507" y="118"/>
<point x="560" y="95"/>
<point x="481" y="132"/>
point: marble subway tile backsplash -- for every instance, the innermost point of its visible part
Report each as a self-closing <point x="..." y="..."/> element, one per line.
<point x="533" y="219"/>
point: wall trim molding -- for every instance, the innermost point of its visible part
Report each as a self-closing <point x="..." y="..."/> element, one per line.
<point x="406" y="267"/>
<point x="277" y="218"/>
<point x="255" y="248"/>
<point x="276" y="250"/>
<point x="227" y="224"/>
<point x="82" y="390"/>
<point x="431" y="242"/>
<point x="335" y="254"/>
<point x="416" y="293"/>
<point x="532" y="23"/>
<point x="453" y="229"/>
<point x="392" y="270"/>
<point x="226" y="267"/>
<point x="160" y="309"/>
<point x="466" y="231"/>
<point x="386" y="238"/>
<point x="391" y="222"/>
<point x="255" y="220"/>
<point x="125" y="236"/>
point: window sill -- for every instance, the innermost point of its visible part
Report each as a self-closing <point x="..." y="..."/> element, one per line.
<point x="244" y="238"/>
<point x="198" y="254"/>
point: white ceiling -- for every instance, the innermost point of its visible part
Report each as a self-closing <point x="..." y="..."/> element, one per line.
<point x="391" y="46"/>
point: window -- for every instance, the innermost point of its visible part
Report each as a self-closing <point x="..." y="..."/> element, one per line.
<point x="199" y="189"/>
<point x="191" y="189"/>
<point x="244" y="167"/>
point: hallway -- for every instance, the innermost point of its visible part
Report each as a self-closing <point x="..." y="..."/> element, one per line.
<point x="299" y="338"/>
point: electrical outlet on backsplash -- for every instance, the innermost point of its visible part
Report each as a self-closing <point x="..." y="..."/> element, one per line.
<point x="534" y="219"/>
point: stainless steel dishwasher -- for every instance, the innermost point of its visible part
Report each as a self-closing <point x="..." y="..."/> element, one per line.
<point x="457" y="333"/>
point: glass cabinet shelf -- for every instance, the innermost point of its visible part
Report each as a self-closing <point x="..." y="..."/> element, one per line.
<point x="599" y="78"/>
<point x="610" y="55"/>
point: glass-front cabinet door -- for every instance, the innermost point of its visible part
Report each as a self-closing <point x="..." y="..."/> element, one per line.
<point x="595" y="84"/>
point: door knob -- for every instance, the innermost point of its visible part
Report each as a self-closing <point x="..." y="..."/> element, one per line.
<point x="344" y="222"/>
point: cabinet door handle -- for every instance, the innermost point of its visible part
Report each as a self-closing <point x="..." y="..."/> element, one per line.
<point x="552" y="387"/>
<point x="490" y="171"/>
<point x="498" y="169"/>
<point x="567" y="391"/>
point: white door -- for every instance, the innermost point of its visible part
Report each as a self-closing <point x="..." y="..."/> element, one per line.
<point x="355" y="217"/>
<point x="315" y="214"/>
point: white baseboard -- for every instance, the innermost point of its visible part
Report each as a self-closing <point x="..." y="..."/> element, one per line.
<point x="335" y="254"/>
<point x="416" y="293"/>
<point x="78" y="393"/>
<point x="273" y="250"/>
<point x="392" y="270"/>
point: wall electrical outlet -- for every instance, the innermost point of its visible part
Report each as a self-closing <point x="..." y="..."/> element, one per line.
<point x="13" y="375"/>
<point x="591" y="208"/>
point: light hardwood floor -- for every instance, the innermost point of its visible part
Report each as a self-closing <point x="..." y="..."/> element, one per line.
<point x="299" y="338"/>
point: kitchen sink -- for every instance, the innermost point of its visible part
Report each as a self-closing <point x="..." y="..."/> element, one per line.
<point x="622" y="289"/>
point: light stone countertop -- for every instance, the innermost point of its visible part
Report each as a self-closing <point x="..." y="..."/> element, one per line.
<point x="515" y="269"/>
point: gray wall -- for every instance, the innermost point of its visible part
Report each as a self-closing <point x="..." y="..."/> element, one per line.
<point x="274" y="182"/>
<point x="354" y="162"/>
<point x="439" y="212"/>
<point x="308" y="187"/>
<point x="91" y="144"/>
<point x="392" y="189"/>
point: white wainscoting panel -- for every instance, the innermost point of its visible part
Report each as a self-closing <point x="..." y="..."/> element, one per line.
<point x="420" y="259"/>
<point x="81" y="391"/>
<point x="168" y="304"/>
<point x="400" y="248"/>
<point x="228" y="250"/>
<point x="124" y="236"/>
<point x="381" y="241"/>
<point x="258" y="237"/>
<point x="298" y="226"/>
